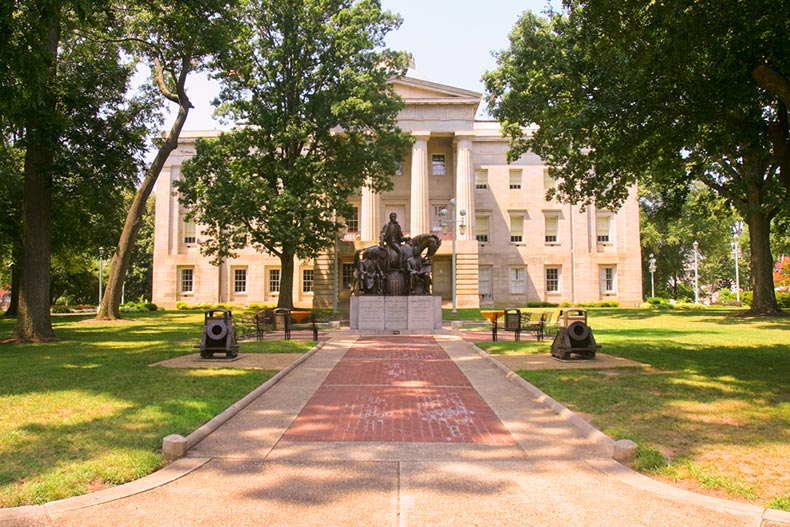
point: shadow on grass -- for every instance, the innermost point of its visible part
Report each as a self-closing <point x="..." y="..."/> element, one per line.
<point x="93" y="396"/>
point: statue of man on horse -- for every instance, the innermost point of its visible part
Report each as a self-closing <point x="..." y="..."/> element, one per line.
<point x="395" y="266"/>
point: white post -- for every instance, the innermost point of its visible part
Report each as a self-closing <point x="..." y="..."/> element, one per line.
<point x="696" y="274"/>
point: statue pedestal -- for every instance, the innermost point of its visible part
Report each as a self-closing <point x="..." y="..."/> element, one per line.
<point x="396" y="313"/>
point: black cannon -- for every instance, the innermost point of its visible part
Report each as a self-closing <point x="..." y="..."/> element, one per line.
<point x="219" y="335"/>
<point x="577" y="338"/>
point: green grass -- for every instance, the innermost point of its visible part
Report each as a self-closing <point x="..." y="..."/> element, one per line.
<point x="88" y="411"/>
<point x="712" y="411"/>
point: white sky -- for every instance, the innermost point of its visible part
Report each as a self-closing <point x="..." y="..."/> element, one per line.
<point x="451" y="41"/>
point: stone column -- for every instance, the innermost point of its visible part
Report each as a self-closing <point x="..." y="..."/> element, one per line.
<point x="420" y="194"/>
<point x="465" y="185"/>
<point x="370" y="215"/>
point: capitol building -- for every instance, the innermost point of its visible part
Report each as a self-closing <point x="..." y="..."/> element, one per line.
<point x="512" y="246"/>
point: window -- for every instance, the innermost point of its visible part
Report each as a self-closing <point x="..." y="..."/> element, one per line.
<point x="274" y="280"/>
<point x="548" y="181"/>
<point x="515" y="178"/>
<point x="552" y="279"/>
<point x="481" y="178"/>
<point x="240" y="280"/>
<point x="348" y="275"/>
<point x="352" y="222"/>
<point x="516" y="229"/>
<point x="189" y="231"/>
<point x="552" y="227"/>
<point x="438" y="164"/>
<point x="603" y="225"/>
<point x="518" y="280"/>
<point x="608" y="279"/>
<point x="481" y="228"/>
<point x="307" y="280"/>
<point x="187" y="279"/>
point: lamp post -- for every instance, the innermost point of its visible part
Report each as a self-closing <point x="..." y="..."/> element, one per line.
<point x="462" y="230"/>
<point x="336" y="278"/>
<point x="696" y="273"/>
<point x="101" y="273"/>
<point x="651" y="265"/>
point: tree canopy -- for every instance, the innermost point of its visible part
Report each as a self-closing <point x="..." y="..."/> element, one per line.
<point x="666" y="93"/>
<point x="79" y="135"/>
<point x="176" y="38"/>
<point x="308" y="83"/>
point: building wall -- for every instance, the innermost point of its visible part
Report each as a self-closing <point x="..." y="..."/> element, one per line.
<point x="496" y="271"/>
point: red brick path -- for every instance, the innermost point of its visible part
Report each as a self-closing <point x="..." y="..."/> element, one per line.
<point x="397" y="389"/>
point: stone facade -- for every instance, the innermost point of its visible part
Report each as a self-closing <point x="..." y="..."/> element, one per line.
<point x="515" y="248"/>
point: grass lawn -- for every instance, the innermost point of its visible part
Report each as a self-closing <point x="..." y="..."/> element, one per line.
<point x="88" y="412"/>
<point x="711" y="414"/>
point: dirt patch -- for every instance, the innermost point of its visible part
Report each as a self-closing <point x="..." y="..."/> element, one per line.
<point x="547" y="362"/>
<point x="254" y="361"/>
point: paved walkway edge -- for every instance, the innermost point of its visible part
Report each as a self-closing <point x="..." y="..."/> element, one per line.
<point x="173" y="471"/>
<point x="600" y="439"/>
<point x="163" y="476"/>
<point x="627" y="475"/>
<point x="210" y="426"/>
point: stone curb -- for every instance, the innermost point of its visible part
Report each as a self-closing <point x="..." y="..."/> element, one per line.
<point x="763" y="516"/>
<point x="201" y="433"/>
<point x="161" y="477"/>
<point x="601" y="440"/>
<point x="175" y="470"/>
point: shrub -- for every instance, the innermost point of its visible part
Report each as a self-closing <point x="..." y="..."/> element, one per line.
<point x="746" y="297"/>
<point x="657" y="301"/>
<point x="203" y="307"/>
<point x="138" y="307"/>
<point x="541" y="304"/>
<point x="783" y="299"/>
<point x="604" y="303"/>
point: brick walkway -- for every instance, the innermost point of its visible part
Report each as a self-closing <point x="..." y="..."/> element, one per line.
<point x="397" y="389"/>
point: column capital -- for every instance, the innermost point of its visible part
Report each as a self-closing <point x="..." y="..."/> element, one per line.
<point x="464" y="136"/>
<point x="421" y="134"/>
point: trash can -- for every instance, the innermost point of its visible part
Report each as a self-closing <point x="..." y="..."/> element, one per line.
<point x="569" y="315"/>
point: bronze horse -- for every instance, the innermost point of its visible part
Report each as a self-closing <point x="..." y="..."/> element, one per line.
<point x="376" y="269"/>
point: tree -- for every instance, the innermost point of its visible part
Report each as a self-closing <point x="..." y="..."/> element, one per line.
<point x="620" y="94"/>
<point x="177" y="37"/>
<point x="63" y="98"/>
<point x="309" y="80"/>
<point x="669" y="230"/>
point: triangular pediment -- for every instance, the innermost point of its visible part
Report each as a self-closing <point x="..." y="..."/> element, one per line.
<point x="418" y="91"/>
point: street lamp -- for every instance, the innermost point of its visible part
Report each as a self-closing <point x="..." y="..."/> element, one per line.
<point x="340" y="233"/>
<point x="736" y="252"/>
<point x="462" y="230"/>
<point x="696" y="272"/>
<point x="101" y="273"/>
<point x="651" y="265"/>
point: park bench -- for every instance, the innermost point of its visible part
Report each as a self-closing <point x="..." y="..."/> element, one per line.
<point x="519" y="321"/>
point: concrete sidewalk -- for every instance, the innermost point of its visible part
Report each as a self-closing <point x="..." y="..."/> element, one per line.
<point x="549" y="470"/>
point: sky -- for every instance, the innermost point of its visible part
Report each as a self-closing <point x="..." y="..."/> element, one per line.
<point x="451" y="42"/>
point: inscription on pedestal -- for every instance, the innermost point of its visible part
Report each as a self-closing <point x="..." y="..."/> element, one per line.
<point x="396" y="312"/>
<point x="370" y="310"/>
<point x="421" y="312"/>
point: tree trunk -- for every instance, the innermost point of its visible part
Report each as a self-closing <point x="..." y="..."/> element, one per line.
<point x="762" y="265"/>
<point x="33" y="321"/>
<point x="110" y="308"/>
<point x="286" y="280"/>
